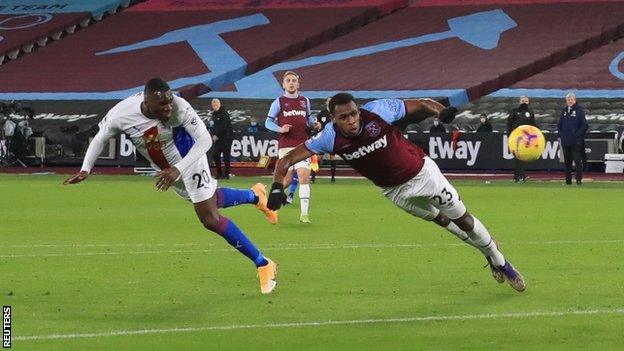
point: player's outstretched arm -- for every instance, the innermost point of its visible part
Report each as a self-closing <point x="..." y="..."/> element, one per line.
<point x="76" y="178"/>
<point x="417" y="110"/>
<point x="94" y="149"/>
<point x="276" y="196"/>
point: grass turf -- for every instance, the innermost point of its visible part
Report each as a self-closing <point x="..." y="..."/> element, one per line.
<point x="111" y="255"/>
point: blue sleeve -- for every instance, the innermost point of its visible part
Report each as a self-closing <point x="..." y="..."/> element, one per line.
<point x="272" y="116"/>
<point x="391" y="110"/>
<point x="270" y="124"/>
<point x="275" y="108"/>
<point x="323" y="142"/>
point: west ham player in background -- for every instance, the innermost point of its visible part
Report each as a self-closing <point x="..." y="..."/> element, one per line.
<point x="290" y="116"/>
<point x="167" y="131"/>
<point x="366" y="139"/>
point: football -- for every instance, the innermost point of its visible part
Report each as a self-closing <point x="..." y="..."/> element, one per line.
<point x="526" y="143"/>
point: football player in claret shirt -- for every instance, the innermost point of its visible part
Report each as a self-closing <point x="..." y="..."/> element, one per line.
<point x="369" y="142"/>
<point x="167" y="131"/>
<point x="290" y="116"/>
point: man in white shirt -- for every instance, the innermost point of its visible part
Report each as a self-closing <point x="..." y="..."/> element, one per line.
<point x="167" y="131"/>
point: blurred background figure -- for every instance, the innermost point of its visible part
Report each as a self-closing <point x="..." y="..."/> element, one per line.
<point x="222" y="138"/>
<point x="253" y="126"/>
<point x="572" y="127"/>
<point x="519" y="116"/>
<point x="437" y="127"/>
<point x="484" y="125"/>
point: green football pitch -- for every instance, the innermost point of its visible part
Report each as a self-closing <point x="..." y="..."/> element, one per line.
<point x="111" y="264"/>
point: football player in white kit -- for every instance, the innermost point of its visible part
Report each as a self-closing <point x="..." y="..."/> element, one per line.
<point x="167" y="131"/>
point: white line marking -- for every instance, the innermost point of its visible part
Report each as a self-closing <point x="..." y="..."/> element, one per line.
<point x="100" y="245"/>
<point x="321" y="323"/>
<point x="304" y="247"/>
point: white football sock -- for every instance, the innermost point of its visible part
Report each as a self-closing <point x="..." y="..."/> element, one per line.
<point x="480" y="236"/>
<point x="453" y="228"/>
<point x="304" y="198"/>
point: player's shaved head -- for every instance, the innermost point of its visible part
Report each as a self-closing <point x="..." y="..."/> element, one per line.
<point x="339" y="99"/>
<point x="157" y="100"/>
<point x="345" y="114"/>
<point x="156" y="85"/>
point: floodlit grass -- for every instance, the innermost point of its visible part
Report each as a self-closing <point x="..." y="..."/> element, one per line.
<point x="110" y="264"/>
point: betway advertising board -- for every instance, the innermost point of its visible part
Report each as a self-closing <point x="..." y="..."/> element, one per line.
<point x="478" y="151"/>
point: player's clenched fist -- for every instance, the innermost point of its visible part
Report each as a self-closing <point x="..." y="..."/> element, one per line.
<point x="448" y="114"/>
<point x="276" y="196"/>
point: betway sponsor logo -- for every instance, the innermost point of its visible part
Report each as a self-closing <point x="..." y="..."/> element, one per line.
<point x="292" y="113"/>
<point x="550" y="151"/>
<point x="367" y="149"/>
<point x="248" y="146"/>
<point x="465" y="150"/>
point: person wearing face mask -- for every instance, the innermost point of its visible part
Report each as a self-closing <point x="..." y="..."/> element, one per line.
<point x="519" y="116"/>
<point x="437" y="127"/>
<point x="485" y="125"/>
<point x="253" y="126"/>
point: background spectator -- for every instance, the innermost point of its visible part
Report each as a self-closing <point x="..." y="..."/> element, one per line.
<point x="437" y="127"/>
<point x="519" y="116"/>
<point x="485" y="125"/>
<point x="222" y="138"/>
<point x="572" y="127"/>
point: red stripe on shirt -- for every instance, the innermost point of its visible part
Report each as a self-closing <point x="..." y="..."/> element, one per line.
<point x="154" y="148"/>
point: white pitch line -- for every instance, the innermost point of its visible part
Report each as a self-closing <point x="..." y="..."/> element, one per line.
<point x="322" y="323"/>
<point x="327" y="246"/>
<point x="100" y="245"/>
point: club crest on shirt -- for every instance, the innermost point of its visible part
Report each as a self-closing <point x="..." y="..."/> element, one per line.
<point x="194" y="121"/>
<point x="373" y="129"/>
<point x="303" y="104"/>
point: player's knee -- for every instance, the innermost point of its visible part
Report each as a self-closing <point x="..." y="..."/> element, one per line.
<point x="465" y="222"/>
<point x="210" y="221"/>
<point x="442" y="220"/>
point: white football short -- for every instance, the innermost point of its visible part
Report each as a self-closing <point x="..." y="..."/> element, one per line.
<point x="427" y="194"/>
<point x="196" y="183"/>
<point x="301" y="164"/>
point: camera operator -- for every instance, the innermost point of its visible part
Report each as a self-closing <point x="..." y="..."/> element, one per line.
<point x="16" y="132"/>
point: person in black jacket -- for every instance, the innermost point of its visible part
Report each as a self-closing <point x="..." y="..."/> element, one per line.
<point x="324" y="117"/>
<point x="485" y="125"/>
<point x="222" y="138"/>
<point x="519" y="116"/>
<point x="572" y="127"/>
<point x="437" y="127"/>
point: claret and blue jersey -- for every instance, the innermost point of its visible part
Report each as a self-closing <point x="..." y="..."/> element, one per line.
<point x="379" y="151"/>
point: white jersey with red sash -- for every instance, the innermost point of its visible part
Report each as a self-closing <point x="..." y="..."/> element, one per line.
<point x="379" y="151"/>
<point x="162" y="144"/>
